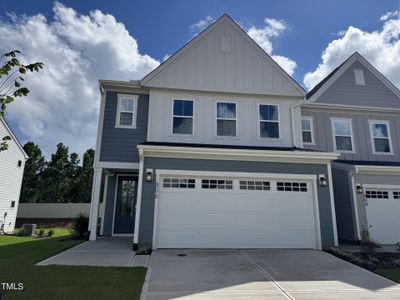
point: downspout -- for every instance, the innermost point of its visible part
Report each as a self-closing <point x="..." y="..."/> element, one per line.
<point x="355" y="204"/>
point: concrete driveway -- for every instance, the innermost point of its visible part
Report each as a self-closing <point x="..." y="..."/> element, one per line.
<point x="260" y="274"/>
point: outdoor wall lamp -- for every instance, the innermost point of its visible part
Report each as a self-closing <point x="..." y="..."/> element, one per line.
<point x="323" y="181"/>
<point x="359" y="189"/>
<point x="149" y="175"/>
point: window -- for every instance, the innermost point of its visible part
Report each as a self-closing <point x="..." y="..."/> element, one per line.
<point x="182" y="183"/>
<point x="375" y="194"/>
<point x="291" y="186"/>
<point x="213" y="184"/>
<point x="226" y="119"/>
<point x="359" y="77"/>
<point x="396" y="195"/>
<point x="19" y="163"/>
<point x="269" y="121"/>
<point x="255" y="185"/>
<point x="12" y="204"/>
<point x="307" y="129"/>
<point x="343" y="135"/>
<point x="182" y="117"/>
<point x="380" y="136"/>
<point x="126" y="111"/>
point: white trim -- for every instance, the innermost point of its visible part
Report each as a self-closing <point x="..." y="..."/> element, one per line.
<point x="333" y="210"/>
<point x="99" y="129"/>
<point x="104" y="203"/>
<point x="139" y="198"/>
<point x="238" y="154"/>
<point x="94" y="203"/>
<point x="355" y="206"/>
<point x="381" y="186"/>
<point x="173" y="116"/>
<point x="271" y="121"/>
<point x="116" y="165"/>
<point x="361" y="108"/>
<point x="349" y="121"/>
<point x="311" y="119"/>
<point x="134" y="99"/>
<point x="372" y="137"/>
<point x="312" y="178"/>
<point x="226" y="119"/>
<point x="384" y="170"/>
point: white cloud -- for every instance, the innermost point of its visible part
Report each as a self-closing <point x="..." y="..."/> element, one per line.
<point x="263" y="36"/>
<point x="389" y="15"/>
<point x="201" y="24"/>
<point x="77" y="50"/>
<point x="381" y="47"/>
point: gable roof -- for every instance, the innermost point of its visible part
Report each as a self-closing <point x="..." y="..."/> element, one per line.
<point x="13" y="137"/>
<point x="325" y="83"/>
<point x="225" y="18"/>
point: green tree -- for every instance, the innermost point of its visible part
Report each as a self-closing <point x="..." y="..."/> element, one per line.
<point x="12" y="72"/>
<point x="86" y="176"/>
<point x="34" y="166"/>
<point x="74" y="172"/>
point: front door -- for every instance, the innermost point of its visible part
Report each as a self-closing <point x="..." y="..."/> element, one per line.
<point x="125" y="207"/>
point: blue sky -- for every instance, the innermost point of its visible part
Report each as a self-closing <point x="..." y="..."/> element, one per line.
<point x="158" y="28"/>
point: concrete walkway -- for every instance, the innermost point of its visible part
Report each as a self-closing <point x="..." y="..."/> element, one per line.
<point x="101" y="253"/>
<point x="260" y="274"/>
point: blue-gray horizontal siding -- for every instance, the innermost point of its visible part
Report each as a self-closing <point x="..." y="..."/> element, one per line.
<point x="361" y="133"/>
<point x="148" y="191"/>
<point x="343" y="205"/>
<point x="109" y="206"/>
<point x="374" y="93"/>
<point x="119" y="144"/>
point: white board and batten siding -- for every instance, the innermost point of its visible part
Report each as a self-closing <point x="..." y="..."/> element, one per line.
<point x="10" y="179"/>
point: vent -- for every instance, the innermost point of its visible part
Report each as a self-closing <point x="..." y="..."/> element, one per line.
<point x="225" y="44"/>
<point x="359" y="77"/>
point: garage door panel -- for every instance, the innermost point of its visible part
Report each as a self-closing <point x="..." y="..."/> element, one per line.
<point x="234" y="218"/>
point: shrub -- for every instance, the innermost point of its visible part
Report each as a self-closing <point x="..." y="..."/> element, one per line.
<point x="398" y="247"/>
<point x="144" y="250"/>
<point x="50" y="233"/>
<point x="368" y="245"/>
<point x="80" y="225"/>
<point x="19" y="232"/>
<point x="40" y="232"/>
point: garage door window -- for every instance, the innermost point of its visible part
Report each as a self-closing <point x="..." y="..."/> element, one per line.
<point x="255" y="185"/>
<point x="213" y="184"/>
<point x="291" y="186"/>
<point x="396" y="195"/>
<point x="375" y="194"/>
<point x="182" y="183"/>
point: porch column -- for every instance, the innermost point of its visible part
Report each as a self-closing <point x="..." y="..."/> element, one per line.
<point x="94" y="207"/>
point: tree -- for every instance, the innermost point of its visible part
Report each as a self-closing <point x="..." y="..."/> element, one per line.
<point x="12" y="72"/>
<point x="74" y="172"/>
<point x="34" y="166"/>
<point x="86" y="177"/>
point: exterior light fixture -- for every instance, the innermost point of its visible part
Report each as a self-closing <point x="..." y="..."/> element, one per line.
<point x="359" y="189"/>
<point x="323" y="181"/>
<point x="149" y="175"/>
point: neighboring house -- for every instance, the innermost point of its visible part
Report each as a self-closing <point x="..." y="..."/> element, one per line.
<point x="12" y="163"/>
<point x="355" y="111"/>
<point x="205" y="152"/>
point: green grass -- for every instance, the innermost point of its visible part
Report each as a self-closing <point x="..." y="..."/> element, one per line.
<point x="18" y="256"/>
<point x="393" y="274"/>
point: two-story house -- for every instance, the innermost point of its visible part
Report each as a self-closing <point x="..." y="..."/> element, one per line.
<point x="355" y="111"/>
<point x="206" y="152"/>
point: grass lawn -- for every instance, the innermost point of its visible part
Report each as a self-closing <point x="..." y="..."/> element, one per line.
<point x="393" y="274"/>
<point x="18" y="256"/>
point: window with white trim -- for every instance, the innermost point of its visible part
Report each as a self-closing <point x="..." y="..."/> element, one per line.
<point x="376" y="194"/>
<point x="289" y="186"/>
<point x="343" y="135"/>
<point x="307" y="129"/>
<point x="216" y="184"/>
<point x="226" y="119"/>
<point x="255" y="185"/>
<point x="269" y="120"/>
<point x="126" y="111"/>
<point x="181" y="183"/>
<point x="380" y="133"/>
<point x="182" y="119"/>
<point x="396" y="195"/>
<point x="359" y="77"/>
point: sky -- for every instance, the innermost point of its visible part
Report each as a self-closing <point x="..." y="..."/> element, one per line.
<point x="83" y="41"/>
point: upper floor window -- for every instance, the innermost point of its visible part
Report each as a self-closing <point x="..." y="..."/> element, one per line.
<point x="307" y="128"/>
<point x="126" y="111"/>
<point x="182" y="117"/>
<point x="269" y="121"/>
<point x="359" y="77"/>
<point x="342" y="135"/>
<point x="226" y="119"/>
<point x="380" y="136"/>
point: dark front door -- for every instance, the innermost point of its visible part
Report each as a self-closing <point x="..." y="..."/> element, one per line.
<point x="125" y="207"/>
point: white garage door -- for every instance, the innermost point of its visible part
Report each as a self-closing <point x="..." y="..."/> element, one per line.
<point x="232" y="212"/>
<point x="383" y="214"/>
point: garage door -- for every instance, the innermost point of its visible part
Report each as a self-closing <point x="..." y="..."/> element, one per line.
<point x="232" y="212"/>
<point x="383" y="214"/>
